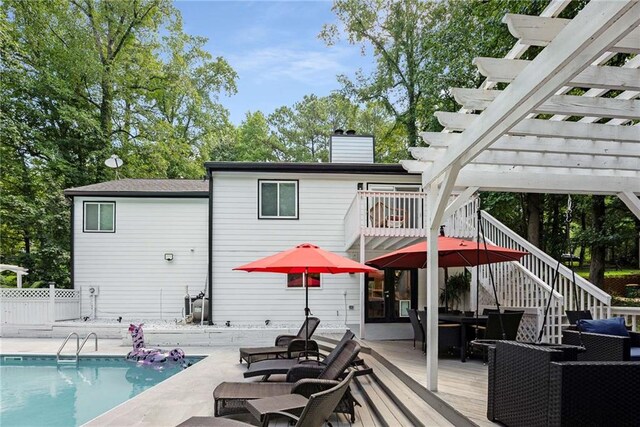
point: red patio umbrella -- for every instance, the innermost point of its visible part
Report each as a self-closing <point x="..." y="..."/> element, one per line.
<point x="306" y="258"/>
<point x="452" y="252"/>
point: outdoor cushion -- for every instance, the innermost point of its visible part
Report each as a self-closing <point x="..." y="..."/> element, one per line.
<point x="612" y="326"/>
<point x="635" y="354"/>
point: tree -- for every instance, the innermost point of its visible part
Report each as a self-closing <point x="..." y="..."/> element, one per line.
<point x="82" y="79"/>
<point x="394" y="30"/>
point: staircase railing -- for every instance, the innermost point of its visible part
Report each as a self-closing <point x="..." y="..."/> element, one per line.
<point x="543" y="266"/>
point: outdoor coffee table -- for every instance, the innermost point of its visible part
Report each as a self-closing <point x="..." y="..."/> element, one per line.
<point x="259" y="408"/>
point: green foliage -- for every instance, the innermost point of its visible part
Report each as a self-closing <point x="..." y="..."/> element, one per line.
<point x="455" y="290"/>
<point x="83" y="79"/>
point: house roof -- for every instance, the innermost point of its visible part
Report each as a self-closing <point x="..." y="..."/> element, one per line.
<point x="144" y="188"/>
<point x="284" y="167"/>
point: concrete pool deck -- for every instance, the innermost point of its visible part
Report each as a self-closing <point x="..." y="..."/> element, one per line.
<point x="185" y="394"/>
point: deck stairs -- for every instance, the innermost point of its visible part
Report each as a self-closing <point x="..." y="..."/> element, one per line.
<point x="527" y="284"/>
<point x="389" y="400"/>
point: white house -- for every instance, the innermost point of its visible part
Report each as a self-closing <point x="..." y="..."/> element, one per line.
<point x="140" y="243"/>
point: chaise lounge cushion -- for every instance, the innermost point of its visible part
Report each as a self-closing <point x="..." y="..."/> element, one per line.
<point x="613" y="326"/>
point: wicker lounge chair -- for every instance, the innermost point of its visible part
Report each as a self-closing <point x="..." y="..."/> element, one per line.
<point x="286" y="346"/>
<point x="270" y="367"/>
<point x="317" y="410"/>
<point x="604" y="347"/>
<point x="532" y="385"/>
<point x="231" y="398"/>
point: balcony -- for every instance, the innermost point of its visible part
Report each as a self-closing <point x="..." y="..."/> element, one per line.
<point x="380" y="216"/>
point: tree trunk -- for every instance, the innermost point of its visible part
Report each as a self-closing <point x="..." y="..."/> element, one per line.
<point x="596" y="269"/>
<point x="534" y="218"/>
<point x="106" y="105"/>
<point x="583" y="227"/>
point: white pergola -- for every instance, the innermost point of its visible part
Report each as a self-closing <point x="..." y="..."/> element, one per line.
<point x="20" y="272"/>
<point x="500" y="142"/>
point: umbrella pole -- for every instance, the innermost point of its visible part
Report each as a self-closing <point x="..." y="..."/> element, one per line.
<point x="306" y="311"/>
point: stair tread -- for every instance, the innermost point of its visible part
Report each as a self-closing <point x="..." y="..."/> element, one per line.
<point x="389" y="413"/>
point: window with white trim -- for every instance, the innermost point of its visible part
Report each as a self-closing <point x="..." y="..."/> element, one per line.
<point x="99" y="217"/>
<point x="277" y="199"/>
<point x="295" y="280"/>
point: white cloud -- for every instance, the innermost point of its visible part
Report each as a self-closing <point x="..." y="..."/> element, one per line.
<point x="305" y="66"/>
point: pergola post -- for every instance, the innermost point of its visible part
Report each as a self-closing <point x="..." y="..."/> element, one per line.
<point x="437" y="198"/>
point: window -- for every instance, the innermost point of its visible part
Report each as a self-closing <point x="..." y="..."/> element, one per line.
<point x="297" y="281"/>
<point x="278" y="199"/>
<point x="99" y="217"/>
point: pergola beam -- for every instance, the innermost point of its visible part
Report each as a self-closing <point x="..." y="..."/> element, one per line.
<point x="552" y="160"/>
<point x="518" y="179"/>
<point x="540" y="31"/>
<point x="611" y="78"/>
<point x="632" y="202"/>
<point x="480" y="99"/>
<point x="533" y="144"/>
<point x="547" y="128"/>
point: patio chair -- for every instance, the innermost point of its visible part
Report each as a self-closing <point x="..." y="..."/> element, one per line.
<point x="231" y="398"/>
<point x="383" y="216"/>
<point x="266" y="368"/>
<point x="317" y="410"/>
<point x="574" y="315"/>
<point x="493" y="332"/>
<point x="287" y="346"/>
<point x="604" y="347"/>
<point x="418" y="332"/>
<point x="534" y="385"/>
<point x="448" y="334"/>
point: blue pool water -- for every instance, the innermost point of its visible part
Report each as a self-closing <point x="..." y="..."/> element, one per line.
<point x="37" y="391"/>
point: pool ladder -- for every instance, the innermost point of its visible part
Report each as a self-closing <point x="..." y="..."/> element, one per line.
<point x="79" y="346"/>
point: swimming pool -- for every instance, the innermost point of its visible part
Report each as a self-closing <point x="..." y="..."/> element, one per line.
<point x="38" y="391"/>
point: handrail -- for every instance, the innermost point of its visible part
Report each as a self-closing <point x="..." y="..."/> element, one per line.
<point x="85" y="341"/>
<point x="563" y="270"/>
<point x="538" y="281"/>
<point x="65" y="343"/>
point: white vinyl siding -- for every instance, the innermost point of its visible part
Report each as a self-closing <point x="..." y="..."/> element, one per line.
<point x="278" y="199"/>
<point x="240" y="237"/>
<point x="99" y="217"/>
<point x="128" y="267"/>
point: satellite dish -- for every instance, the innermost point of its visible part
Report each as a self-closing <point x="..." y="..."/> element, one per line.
<point x="114" y="162"/>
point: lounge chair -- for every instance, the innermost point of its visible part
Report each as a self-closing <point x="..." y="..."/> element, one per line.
<point x="270" y="367"/>
<point x="317" y="409"/>
<point x="231" y="398"/>
<point x="285" y="345"/>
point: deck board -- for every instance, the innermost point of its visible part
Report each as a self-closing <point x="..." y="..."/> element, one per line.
<point x="462" y="385"/>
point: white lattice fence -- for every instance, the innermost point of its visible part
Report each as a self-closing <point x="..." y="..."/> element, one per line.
<point x="38" y="306"/>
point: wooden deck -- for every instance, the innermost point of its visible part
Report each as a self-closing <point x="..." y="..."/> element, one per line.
<point x="461" y="385"/>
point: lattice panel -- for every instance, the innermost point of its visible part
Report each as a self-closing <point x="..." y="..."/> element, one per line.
<point x="24" y="293"/>
<point x="528" y="330"/>
<point x="67" y="293"/>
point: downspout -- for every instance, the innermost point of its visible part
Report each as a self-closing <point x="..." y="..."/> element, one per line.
<point x="73" y="224"/>
<point x="210" y="266"/>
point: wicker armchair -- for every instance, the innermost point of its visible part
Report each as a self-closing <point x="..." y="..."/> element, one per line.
<point x="533" y="385"/>
<point x="604" y="347"/>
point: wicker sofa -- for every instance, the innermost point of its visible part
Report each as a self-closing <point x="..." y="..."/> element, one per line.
<point x="604" y="347"/>
<point x="533" y="385"/>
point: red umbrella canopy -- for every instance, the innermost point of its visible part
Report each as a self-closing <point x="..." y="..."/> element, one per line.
<point x="452" y="252"/>
<point x="306" y="258"/>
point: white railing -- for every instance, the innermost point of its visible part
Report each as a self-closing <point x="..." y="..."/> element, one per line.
<point x="542" y="266"/>
<point x="385" y="213"/>
<point x="27" y="306"/>
<point x="631" y="316"/>
<point x="462" y="223"/>
<point x="516" y="286"/>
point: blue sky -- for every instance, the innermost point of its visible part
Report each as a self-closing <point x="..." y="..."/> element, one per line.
<point x="274" y="48"/>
